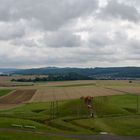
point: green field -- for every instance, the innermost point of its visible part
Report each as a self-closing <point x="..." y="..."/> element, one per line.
<point x="118" y="114"/>
<point x="4" y="92"/>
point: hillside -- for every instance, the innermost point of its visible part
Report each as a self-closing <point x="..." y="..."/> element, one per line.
<point x="94" y="73"/>
<point x="7" y="70"/>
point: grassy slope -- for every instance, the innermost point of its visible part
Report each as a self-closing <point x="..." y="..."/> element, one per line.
<point x="29" y="114"/>
<point x="4" y="92"/>
<point x="116" y="105"/>
<point x="69" y="112"/>
<point x="118" y="125"/>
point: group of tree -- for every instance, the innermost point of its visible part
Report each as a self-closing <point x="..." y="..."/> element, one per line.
<point x="58" y="77"/>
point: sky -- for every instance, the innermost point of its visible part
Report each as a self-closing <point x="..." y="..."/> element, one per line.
<point x="69" y="33"/>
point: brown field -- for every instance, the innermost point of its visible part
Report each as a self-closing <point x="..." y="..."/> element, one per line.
<point x="97" y="82"/>
<point x="5" y="81"/>
<point x="17" y="97"/>
<point x="66" y="93"/>
<point x="127" y="89"/>
<point x="58" y="90"/>
<point x="64" y="83"/>
<point x="52" y="91"/>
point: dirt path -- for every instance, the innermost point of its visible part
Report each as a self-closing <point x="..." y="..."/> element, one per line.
<point x="75" y="136"/>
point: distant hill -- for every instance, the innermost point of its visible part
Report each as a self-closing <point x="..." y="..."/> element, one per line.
<point x="7" y="70"/>
<point x="56" y="70"/>
<point x="117" y="73"/>
<point x="94" y="73"/>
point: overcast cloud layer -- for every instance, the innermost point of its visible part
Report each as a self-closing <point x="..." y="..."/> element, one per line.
<point x="75" y="33"/>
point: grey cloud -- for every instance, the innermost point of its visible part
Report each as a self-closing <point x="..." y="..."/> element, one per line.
<point x="115" y="9"/>
<point x="132" y="2"/>
<point x="62" y="39"/>
<point x="133" y="45"/>
<point x="51" y="14"/>
<point x="100" y="40"/>
<point x="104" y="40"/>
<point x="5" y="10"/>
<point x="11" y="30"/>
<point x="24" y="42"/>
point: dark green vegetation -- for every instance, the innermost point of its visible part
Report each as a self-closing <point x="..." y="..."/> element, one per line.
<point x="114" y="114"/>
<point x="76" y="85"/>
<point x="4" y="92"/>
<point x="58" y="77"/>
<point x="94" y="73"/>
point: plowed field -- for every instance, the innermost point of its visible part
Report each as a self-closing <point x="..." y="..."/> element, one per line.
<point x="17" y="97"/>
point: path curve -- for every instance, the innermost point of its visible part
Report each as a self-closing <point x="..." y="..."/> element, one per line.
<point x="76" y="136"/>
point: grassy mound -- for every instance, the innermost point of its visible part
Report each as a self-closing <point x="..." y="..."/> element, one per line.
<point x="114" y="114"/>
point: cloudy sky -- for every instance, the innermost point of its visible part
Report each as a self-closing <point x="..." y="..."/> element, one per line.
<point x="74" y="33"/>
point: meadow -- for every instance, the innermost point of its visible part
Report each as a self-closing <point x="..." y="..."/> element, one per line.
<point x="55" y="110"/>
